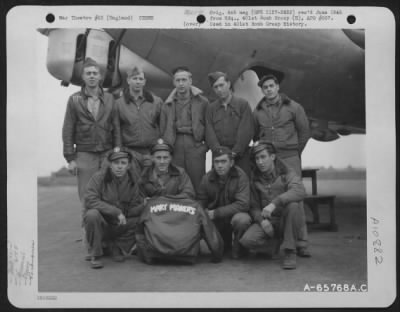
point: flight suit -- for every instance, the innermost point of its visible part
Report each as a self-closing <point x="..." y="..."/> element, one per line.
<point x="183" y="127"/>
<point x="231" y="127"/>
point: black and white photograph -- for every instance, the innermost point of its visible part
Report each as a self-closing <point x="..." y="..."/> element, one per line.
<point x="231" y="157"/>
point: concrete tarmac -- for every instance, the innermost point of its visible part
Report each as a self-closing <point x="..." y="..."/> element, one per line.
<point x="337" y="257"/>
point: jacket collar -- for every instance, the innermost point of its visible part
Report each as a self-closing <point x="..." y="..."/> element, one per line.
<point x="146" y="95"/>
<point x="108" y="176"/>
<point x="194" y="91"/>
<point x="86" y="95"/>
<point x="233" y="173"/>
<point x="280" y="169"/>
<point x="285" y="100"/>
<point x="148" y="172"/>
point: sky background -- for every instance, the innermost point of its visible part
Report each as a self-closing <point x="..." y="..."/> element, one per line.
<point x="52" y="99"/>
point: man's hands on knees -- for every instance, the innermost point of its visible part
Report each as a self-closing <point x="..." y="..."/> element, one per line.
<point x="266" y="224"/>
<point x="211" y="214"/>
<point x="267" y="227"/>
<point x="267" y="211"/>
<point x="121" y="219"/>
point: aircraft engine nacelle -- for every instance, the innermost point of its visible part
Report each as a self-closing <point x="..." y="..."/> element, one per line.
<point x="321" y="132"/>
<point x="68" y="48"/>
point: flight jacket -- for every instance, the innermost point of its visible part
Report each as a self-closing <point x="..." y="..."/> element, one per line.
<point x="81" y="132"/>
<point x="198" y="109"/>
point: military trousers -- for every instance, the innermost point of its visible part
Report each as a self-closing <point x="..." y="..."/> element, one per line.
<point x="87" y="164"/>
<point x="288" y="230"/>
<point x="237" y="225"/>
<point x="100" y="229"/>
<point x="191" y="156"/>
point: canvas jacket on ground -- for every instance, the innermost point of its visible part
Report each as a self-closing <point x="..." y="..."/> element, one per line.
<point x="173" y="226"/>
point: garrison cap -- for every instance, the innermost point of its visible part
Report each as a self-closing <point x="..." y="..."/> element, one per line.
<point x="263" y="145"/>
<point x="276" y="77"/>
<point x="135" y="70"/>
<point x="118" y="153"/>
<point x="213" y="77"/>
<point x="161" y="145"/>
<point x="90" y="62"/>
<point x="180" y="69"/>
<point x="221" y="150"/>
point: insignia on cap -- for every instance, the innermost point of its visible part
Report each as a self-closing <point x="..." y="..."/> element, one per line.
<point x="117" y="149"/>
<point x="160" y="141"/>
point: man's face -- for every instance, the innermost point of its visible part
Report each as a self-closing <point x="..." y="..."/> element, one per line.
<point x="120" y="166"/>
<point x="91" y="76"/>
<point x="265" y="161"/>
<point x="182" y="82"/>
<point x="136" y="82"/>
<point x="270" y="89"/>
<point x="222" y="165"/>
<point x="222" y="88"/>
<point x="161" y="160"/>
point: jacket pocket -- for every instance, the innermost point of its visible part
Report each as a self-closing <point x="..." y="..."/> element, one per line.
<point x="84" y="134"/>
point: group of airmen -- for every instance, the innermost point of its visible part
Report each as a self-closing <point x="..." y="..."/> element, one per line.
<point x="128" y="147"/>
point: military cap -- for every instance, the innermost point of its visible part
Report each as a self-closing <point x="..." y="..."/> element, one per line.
<point x="276" y="78"/>
<point x="135" y="70"/>
<point x="118" y="153"/>
<point x="213" y="77"/>
<point x="263" y="145"/>
<point x="180" y="69"/>
<point x="90" y="62"/>
<point x="161" y="145"/>
<point x="221" y="150"/>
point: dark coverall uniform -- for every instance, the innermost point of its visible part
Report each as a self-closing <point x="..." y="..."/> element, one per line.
<point x="182" y="125"/>
<point x="88" y="135"/>
<point x="175" y="182"/>
<point x="285" y="189"/>
<point x="231" y="127"/>
<point x="106" y="197"/>
<point x="140" y="123"/>
<point x="229" y="200"/>
<point x="284" y="124"/>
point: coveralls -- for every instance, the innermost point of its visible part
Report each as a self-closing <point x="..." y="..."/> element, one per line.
<point x="183" y="127"/>
<point x="231" y="127"/>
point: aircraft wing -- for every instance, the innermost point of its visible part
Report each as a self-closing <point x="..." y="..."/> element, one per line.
<point x="322" y="69"/>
